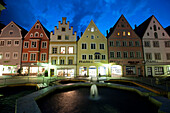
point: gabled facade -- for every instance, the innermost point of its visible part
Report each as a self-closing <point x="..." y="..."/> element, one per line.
<point x="92" y="59"/>
<point x="124" y="50"/>
<point x="35" y="50"/>
<point x="62" y="51"/>
<point x="156" y="47"/>
<point x="10" y="48"/>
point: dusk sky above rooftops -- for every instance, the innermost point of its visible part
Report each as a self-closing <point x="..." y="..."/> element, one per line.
<point x="79" y="13"/>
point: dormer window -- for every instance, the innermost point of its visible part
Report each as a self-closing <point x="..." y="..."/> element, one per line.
<point x="92" y="29"/>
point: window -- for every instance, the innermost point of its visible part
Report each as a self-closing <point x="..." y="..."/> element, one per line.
<point x="130" y="43"/>
<point x="70" y="61"/>
<point x="53" y="62"/>
<point x="163" y="34"/>
<point x="83" y="57"/>
<point x="9" y="43"/>
<point x="137" y="43"/>
<point x="33" y="44"/>
<point x="168" y="70"/>
<point x="131" y="54"/>
<point x="84" y="46"/>
<point x="153" y="21"/>
<point x="26" y="44"/>
<point x="63" y="50"/>
<point x="125" y="54"/>
<point x="148" y="56"/>
<point x="157" y="56"/>
<point x="118" y="54"/>
<point x="31" y="35"/>
<point x="70" y="50"/>
<point x="167" y="43"/>
<point x="154" y="27"/>
<point x="12" y="25"/>
<point x="97" y="36"/>
<point x="97" y="56"/>
<point x="122" y="25"/>
<point x="63" y="29"/>
<point x="11" y="32"/>
<point x="117" y="43"/>
<point x="112" y="54"/>
<point x="147" y="43"/>
<point x="7" y="55"/>
<point x="1" y="55"/>
<point x="92" y="36"/>
<point x="103" y="57"/>
<point x="124" y="33"/>
<point x="156" y="35"/>
<point x="128" y="33"/>
<point x="61" y="61"/>
<point x="36" y="34"/>
<point x="43" y="57"/>
<point x="16" y="42"/>
<point x="168" y="56"/>
<point x="118" y="34"/>
<point x="15" y="55"/>
<point x="59" y="37"/>
<point x="66" y="37"/>
<point x="159" y="71"/>
<point x="130" y="70"/>
<point x="93" y="46"/>
<point x="90" y="57"/>
<point x="1" y="43"/>
<point x="36" y="26"/>
<point x="92" y="29"/>
<point x="25" y="57"/>
<point x="54" y="50"/>
<point x="44" y="44"/>
<point x="101" y="46"/>
<point x="111" y="43"/>
<point x="158" y="28"/>
<point x="33" y="57"/>
<point x="41" y="35"/>
<point x="124" y="43"/>
<point x="150" y="28"/>
<point x="155" y="43"/>
<point x="138" y="54"/>
<point x="147" y="34"/>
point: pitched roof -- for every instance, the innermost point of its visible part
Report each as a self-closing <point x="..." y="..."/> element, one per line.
<point x="140" y="30"/>
<point x="1" y="26"/>
<point x="23" y="31"/>
<point x="167" y="29"/>
<point x="46" y="31"/>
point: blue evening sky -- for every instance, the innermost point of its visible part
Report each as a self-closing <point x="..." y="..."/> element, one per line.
<point x="105" y="13"/>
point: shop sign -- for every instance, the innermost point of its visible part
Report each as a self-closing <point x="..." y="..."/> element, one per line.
<point x="86" y="61"/>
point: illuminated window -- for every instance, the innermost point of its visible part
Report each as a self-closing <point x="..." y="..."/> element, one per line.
<point x="63" y="50"/>
<point x="25" y="56"/>
<point x="118" y="33"/>
<point x="128" y="33"/>
<point x="159" y="70"/>
<point x="130" y="70"/>
<point x="124" y="33"/>
<point x="26" y="44"/>
<point x="70" y="50"/>
<point x="1" y="55"/>
<point x="92" y="29"/>
<point x="148" y="56"/>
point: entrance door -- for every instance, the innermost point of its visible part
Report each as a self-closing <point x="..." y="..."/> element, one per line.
<point x="51" y="72"/>
<point x="149" y="70"/>
<point x="92" y="71"/>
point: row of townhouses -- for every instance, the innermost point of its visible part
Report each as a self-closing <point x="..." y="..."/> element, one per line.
<point x="144" y="51"/>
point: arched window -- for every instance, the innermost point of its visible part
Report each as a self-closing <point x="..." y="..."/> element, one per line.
<point x="154" y="27"/>
<point x="36" y="34"/>
<point x="36" y="26"/>
<point x="41" y="35"/>
<point x="31" y="35"/>
<point x="156" y="35"/>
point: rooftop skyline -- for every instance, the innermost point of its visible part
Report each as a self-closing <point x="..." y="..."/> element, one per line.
<point x="105" y="13"/>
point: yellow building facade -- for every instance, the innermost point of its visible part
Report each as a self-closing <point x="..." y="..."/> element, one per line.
<point x="92" y="59"/>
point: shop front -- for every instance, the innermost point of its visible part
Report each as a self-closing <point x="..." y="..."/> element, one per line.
<point x="116" y="71"/>
<point x="65" y="72"/>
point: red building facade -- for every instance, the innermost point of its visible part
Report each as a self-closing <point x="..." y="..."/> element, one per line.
<point x="35" y="50"/>
<point x="124" y="50"/>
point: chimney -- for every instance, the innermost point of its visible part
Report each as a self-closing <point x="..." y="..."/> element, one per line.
<point x="64" y="20"/>
<point x="81" y="33"/>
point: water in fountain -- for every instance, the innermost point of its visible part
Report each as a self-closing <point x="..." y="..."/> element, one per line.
<point x="94" y="92"/>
